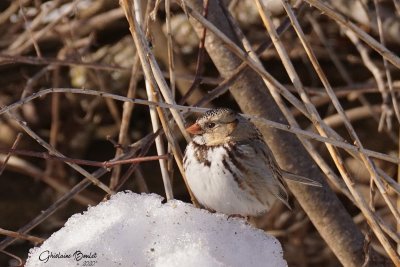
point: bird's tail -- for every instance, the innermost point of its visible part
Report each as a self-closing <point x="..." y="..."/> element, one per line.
<point x="300" y="179"/>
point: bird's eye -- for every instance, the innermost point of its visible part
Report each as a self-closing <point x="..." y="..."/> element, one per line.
<point x="210" y="125"/>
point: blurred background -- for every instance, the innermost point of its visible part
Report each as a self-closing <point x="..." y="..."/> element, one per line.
<point x="87" y="44"/>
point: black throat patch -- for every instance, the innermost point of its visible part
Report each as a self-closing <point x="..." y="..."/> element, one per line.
<point x="201" y="153"/>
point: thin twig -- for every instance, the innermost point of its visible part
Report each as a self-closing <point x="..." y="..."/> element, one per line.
<point x="171" y="62"/>
<point x="15" y="144"/>
<point x="29" y="30"/>
<point x="371" y="66"/>
<point x="18" y="259"/>
<point x="105" y="164"/>
<point x="35" y="240"/>
<point x="98" y="66"/>
<point x="280" y="126"/>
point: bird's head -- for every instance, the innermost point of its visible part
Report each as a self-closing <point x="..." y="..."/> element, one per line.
<point x="218" y="126"/>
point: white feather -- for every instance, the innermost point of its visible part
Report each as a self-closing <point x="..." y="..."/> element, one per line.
<point x="215" y="188"/>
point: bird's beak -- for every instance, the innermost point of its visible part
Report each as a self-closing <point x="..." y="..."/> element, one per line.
<point x="194" y="129"/>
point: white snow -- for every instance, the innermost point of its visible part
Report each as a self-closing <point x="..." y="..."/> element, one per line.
<point x="138" y="230"/>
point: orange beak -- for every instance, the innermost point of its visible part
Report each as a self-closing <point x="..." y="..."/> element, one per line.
<point x="194" y="129"/>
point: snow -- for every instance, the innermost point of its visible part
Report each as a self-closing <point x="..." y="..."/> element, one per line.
<point x="138" y="230"/>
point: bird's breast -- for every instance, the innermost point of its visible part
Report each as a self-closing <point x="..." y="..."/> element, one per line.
<point x="215" y="182"/>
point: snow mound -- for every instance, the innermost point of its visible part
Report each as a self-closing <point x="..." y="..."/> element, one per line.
<point x="138" y="230"/>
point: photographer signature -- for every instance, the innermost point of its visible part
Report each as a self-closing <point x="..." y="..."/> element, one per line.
<point x="78" y="255"/>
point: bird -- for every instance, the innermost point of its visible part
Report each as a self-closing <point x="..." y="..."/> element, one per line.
<point x="230" y="169"/>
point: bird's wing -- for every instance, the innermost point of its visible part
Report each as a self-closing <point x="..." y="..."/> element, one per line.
<point x="262" y="169"/>
<point x="238" y="164"/>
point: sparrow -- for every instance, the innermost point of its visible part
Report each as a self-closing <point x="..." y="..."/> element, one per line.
<point x="230" y="169"/>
